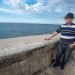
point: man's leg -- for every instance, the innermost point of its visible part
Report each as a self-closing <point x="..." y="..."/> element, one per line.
<point x="58" y="55"/>
<point x="66" y="56"/>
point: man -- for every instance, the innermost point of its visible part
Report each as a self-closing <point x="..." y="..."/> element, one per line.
<point x="67" y="41"/>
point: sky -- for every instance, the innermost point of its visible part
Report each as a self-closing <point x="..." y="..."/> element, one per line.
<point x="35" y="11"/>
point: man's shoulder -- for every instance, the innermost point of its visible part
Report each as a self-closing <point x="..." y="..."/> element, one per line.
<point x="63" y="24"/>
<point x="73" y="24"/>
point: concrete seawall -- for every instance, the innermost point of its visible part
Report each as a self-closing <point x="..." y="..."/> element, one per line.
<point x="26" y="59"/>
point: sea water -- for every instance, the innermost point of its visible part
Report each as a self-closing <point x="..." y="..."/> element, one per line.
<point x="10" y="30"/>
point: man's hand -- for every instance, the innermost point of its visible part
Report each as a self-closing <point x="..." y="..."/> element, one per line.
<point x="51" y="36"/>
<point x="72" y="45"/>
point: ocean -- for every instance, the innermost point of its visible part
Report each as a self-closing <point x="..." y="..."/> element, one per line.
<point x="11" y="30"/>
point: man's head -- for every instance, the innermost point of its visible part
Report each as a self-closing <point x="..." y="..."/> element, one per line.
<point x="69" y="18"/>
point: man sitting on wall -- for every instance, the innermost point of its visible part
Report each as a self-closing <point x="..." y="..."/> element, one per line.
<point x="67" y="41"/>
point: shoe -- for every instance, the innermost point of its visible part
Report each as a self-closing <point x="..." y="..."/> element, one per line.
<point x="56" y="65"/>
<point x="53" y="61"/>
<point x="62" y="67"/>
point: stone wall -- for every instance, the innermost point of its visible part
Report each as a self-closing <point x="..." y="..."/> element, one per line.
<point x="29" y="62"/>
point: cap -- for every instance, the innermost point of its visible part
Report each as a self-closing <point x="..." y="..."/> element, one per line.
<point x="69" y="15"/>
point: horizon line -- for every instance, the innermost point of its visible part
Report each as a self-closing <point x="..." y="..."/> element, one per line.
<point x="30" y="23"/>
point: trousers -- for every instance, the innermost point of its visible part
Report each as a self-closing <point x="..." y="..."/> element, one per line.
<point x="63" y="53"/>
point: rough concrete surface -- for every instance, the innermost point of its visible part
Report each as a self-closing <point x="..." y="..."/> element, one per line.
<point x="69" y="68"/>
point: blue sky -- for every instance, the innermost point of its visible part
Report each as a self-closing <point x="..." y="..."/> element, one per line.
<point x="35" y="11"/>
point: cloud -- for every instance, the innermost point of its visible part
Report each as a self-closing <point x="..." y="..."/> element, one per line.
<point x="58" y="10"/>
<point x="42" y="6"/>
<point x="10" y="11"/>
<point x="12" y="3"/>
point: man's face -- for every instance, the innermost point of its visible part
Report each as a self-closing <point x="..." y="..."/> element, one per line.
<point x="68" y="20"/>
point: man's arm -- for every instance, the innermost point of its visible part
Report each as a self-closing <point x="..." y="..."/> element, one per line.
<point x="52" y="35"/>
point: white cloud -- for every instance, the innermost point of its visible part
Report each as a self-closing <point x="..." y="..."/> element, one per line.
<point x="39" y="7"/>
<point x="10" y="11"/>
<point x="54" y="1"/>
<point x="58" y="10"/>
<point x="12" y="3"/>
